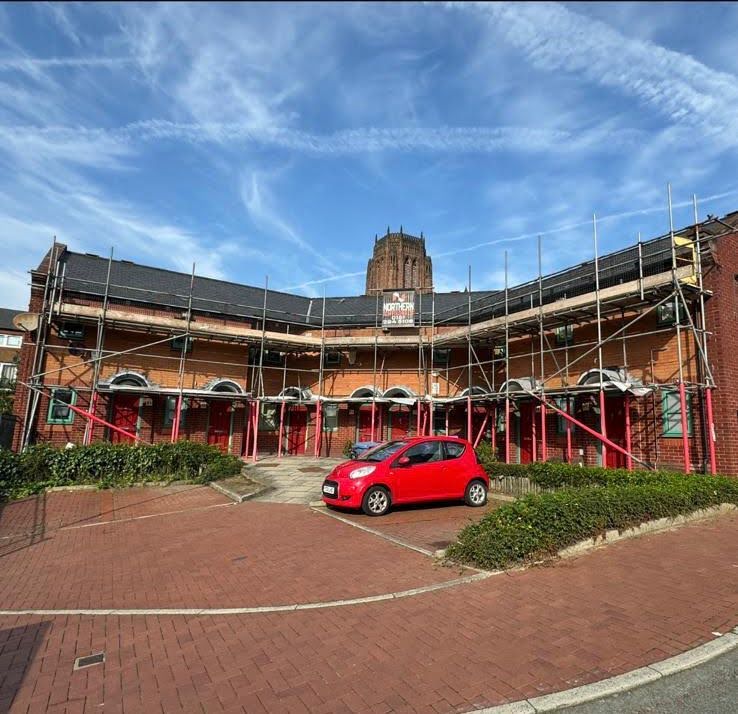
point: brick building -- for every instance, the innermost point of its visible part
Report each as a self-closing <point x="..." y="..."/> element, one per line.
<point x="639" y="346"/>
<point x="11" y="339"/>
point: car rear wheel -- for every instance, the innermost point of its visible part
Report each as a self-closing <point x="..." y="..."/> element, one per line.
<point x="376" y="501"/>
<point x="476" y="494"/>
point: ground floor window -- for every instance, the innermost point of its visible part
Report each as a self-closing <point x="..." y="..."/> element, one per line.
<point x="330" y="417"/>
<point x="59" y="411"/>
<point x="561" y="422"/>
<point x="671" y="413"/>
<point x="8" y="373"/>
<point x="439" y="422"/>
<point x="170" y="409"/>
<point x="268" y="416"/>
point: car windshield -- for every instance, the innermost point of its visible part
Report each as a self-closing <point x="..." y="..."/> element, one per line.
<point x="383" y="451"/>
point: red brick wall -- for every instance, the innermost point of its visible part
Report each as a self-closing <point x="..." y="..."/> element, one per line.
<point x="722" y="313"/>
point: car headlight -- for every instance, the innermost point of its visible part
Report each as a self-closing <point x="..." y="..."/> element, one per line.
<point x="363" y="471"/>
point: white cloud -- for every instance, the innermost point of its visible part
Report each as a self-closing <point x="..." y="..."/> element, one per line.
<point x="673" y="84"/>
<point x="452" y="140"/>
<point x="32" y="65"/>
<point x="329" y="279"/>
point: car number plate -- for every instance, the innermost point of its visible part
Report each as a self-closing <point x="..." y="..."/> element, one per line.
<point x="330" y="490"/>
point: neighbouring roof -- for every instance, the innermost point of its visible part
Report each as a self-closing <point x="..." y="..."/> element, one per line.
<point x="6" y="319"/>
<point x="86" y="274"/>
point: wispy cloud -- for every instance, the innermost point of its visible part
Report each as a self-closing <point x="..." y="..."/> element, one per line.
<point x="481" y="140"/>
<point x="579" y="224"/>
<point x="329" y="279"/>
<point x="33" y="64"/>
<point x="674" y="84"/>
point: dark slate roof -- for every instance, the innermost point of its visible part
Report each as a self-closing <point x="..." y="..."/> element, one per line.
<point x="6" y="318"/>
<point x="86" y="273"/>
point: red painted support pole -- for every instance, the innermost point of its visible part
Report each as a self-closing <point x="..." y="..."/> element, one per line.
<point x="507" y="430"/>
<point x="417" y="418"/>
<point x="469" y="434"/>
<point x="494" y="430"/>
<point x="603" y="425"/>
<point x="318" y="428"/>
<point x="97" y="420"/>
<point x="710" y="431"/>
<point x="544" y="450"/>
<point x="374" y="405"/>
<point x="248" y="429"/>
<point x="90" y="424"/>
<point x="568" y="431"/>
<point x="281" y="430"/>
<point x="685" y="429"/>
<point x="481" y="429"/>
<point x="255" y="430"/>
<point x="628" y="458"/>
<point x="534" y="439"/>
<point x="605" y="441"/>
<point x="175" y="423"/>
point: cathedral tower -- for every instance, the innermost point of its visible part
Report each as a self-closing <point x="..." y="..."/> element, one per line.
<point x="399" y="262"/>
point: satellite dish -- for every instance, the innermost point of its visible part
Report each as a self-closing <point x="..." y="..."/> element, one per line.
<point x="26" y="321"/>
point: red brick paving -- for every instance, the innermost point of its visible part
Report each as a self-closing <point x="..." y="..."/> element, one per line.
<point x="505" y="638"/>
<point x="213" y="556"/>
<point x="430" y="526"/>
<point x="64" y="509"/>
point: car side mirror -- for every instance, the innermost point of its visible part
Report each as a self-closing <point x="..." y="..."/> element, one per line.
<point x="403" y="461"/>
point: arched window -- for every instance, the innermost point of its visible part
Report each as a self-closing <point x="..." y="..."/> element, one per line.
<point x="224" y="385"/>
<point x="129" y="379"/>
<point x="398" y="391"/>
<point x="365" y="393"/>
<point x="415" y="283"/>
<point x="408" y="277"/>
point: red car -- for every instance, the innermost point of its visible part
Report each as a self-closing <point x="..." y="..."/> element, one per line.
<point x="408" y="471"/>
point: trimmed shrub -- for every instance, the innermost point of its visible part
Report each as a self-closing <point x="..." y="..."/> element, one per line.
<point x="540" y="525"/>
<point x="111" y="465"/>
<point x="552" y="475"/>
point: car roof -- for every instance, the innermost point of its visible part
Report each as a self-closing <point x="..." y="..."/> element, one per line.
<point x="411" y="439"/>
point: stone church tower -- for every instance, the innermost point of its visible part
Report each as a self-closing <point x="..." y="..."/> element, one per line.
<point x="399" y="262"/>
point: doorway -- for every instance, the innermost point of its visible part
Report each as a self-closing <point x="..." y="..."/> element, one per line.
<point x="125" y="415"/>
<point x="297" y="431"/>
<point x="399" y="424"/>
<point x="525" y="431"/>
<point x="219" y="425"/>
<point x="615" y="426"/>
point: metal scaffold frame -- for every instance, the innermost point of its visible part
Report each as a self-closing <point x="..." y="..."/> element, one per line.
<point x="533" y="316"/>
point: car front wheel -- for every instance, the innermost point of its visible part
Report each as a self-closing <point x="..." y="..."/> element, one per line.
<point x="376" y="501"/>
<point x="476" y="494"/>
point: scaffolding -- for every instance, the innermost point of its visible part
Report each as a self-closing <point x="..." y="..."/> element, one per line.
<point x="627" y="285"/>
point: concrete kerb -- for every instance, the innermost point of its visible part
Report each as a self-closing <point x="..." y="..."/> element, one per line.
<point x="240" y="497"/>
<point x="620" y="683"/>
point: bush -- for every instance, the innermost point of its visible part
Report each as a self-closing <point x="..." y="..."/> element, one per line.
<point x="111" y="465"/>
<point x="540" y="525"/>
<point x="552" y="475"/>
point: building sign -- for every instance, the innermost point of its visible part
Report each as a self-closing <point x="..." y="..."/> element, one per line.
<point x="398" y="309"/>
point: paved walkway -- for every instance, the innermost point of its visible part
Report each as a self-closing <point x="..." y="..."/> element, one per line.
<point x="430" y="527"/>
<point x="504" y="638"/>
<point x="291" y="479"/>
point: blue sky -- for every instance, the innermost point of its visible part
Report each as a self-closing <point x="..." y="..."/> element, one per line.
<point x="278" y="139"/>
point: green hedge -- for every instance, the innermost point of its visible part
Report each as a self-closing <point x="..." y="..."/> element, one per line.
<point x="110" y="465"/>
<point x="540" y="525"/>
<point x="551" y="475"/>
